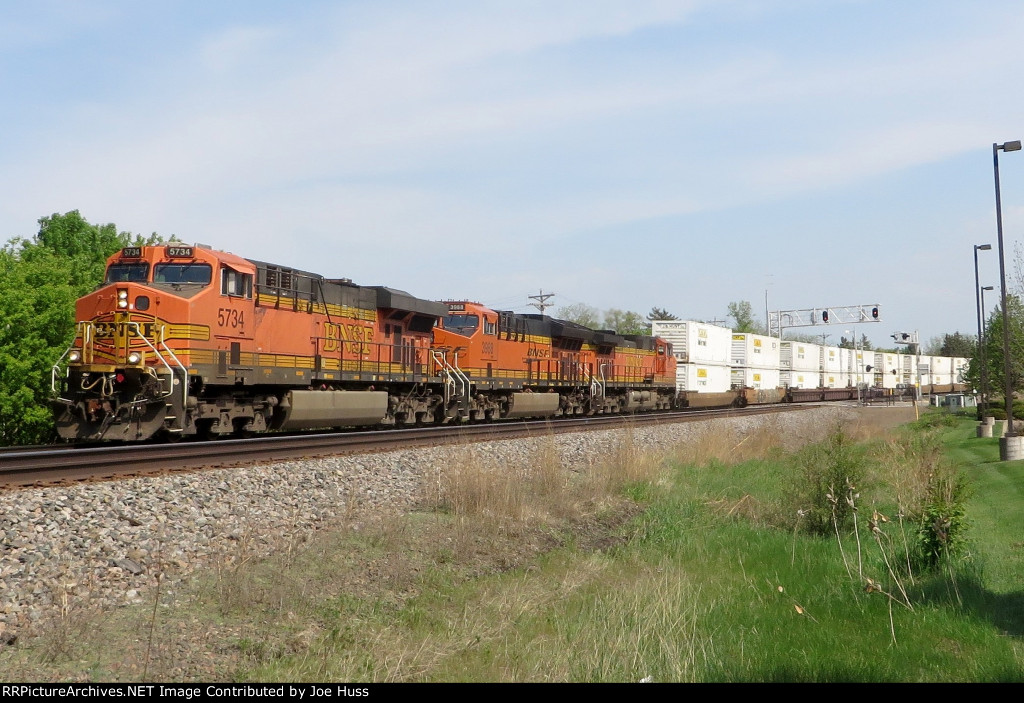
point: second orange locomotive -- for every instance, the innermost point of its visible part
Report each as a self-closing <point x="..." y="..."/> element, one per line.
<point x="185" y="340"/>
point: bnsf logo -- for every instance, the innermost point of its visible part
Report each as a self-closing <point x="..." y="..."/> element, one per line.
<point x="355" y="338"/>
<point x="106" y="330"/>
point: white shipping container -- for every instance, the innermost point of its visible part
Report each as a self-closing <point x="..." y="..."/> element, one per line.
<point x="755" y="351"/>
<point x="960" y="368"/>
<point x="887" y="370"/>
<point x="845" y="360"/>
<point x="942" y="379"/>
<point x="696" y="342"/>
<point x="832" y="360"/>
<point x="800" y="379"/>
<point x="909" y="363"/>
<point x="749" y="377"/>
<point x="942" y="365"/>
<point x="835" y="379"/>
<point x="800" y="356"/>
<point x="703" y="378"/>
<point x="859" y="361"/>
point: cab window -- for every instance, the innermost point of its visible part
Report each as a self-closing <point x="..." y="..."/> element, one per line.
<point x="120" y="273"/>
<point x="183" y="273"/>
<point x="235" y="283"/>
<point x="465" y="325"/>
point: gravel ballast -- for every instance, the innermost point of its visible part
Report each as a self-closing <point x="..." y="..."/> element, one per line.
<point x="106" y="541"/>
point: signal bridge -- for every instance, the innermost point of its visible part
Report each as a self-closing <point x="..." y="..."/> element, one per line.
<point x="846" y="314"/>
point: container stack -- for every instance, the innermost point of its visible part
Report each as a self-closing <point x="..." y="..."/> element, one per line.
<point x="800" y="365"/>
<point x="834" y="363"/>
<point x="887" y="370"/>
<point x="942" y="370"/>
<point x="703" y="354"/>
<point x="909" y="369"/>
<point x="755" y="361"/>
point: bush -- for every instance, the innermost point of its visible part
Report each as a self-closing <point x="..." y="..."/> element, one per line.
<point x="828" y="477"/>
<point x="997" y="409"/>
<point x="941" y="524"/>
<point x="934" y="419"/>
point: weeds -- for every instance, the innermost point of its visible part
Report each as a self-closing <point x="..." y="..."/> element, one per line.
<point x="824" y="476"/>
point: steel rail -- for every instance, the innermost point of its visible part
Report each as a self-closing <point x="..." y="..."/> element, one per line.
<point x="35" y="466"/>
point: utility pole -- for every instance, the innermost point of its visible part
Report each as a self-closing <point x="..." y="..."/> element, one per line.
<point x="542" y="300"/>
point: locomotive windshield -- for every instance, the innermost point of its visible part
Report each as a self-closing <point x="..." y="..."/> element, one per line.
<point x="183" y="273"/>
<point x="118" y="273"/>
<point x="462" y="324"/>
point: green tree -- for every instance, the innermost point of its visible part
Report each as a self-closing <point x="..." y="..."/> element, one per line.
<point x="742" y="314"/>
<point x="37" y="302"/>
<point x="660" y="314"/>
<point x="40" y="279"/>
<point x="87" y="245"/>
<point x="994" y="348"/>
<point x="626" y="322"/>
<point x="958" y="345"/>
<point x="581" y="314"/>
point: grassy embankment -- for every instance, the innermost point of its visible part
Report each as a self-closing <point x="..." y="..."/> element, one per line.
<point x="728" y="560"/>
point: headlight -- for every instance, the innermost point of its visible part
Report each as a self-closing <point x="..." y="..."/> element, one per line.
<point x="122" y="298"/>
<point x="75" y="356"/>
<point x="134" y="357"/>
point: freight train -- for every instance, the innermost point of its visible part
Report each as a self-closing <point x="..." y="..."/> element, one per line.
<point x="186" y="341"/>
<point x="717" y="366"/>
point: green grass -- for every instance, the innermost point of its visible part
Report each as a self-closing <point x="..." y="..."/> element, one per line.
<point x="708" y="588"/>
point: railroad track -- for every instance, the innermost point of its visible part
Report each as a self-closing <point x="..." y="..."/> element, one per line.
<point x="38" y="466"/>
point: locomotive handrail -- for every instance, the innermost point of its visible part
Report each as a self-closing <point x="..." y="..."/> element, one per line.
<point x="138" y="332"/>
<point x="464" y="377"/>
<point x="184" y="371"/>
<point x="83" y="329"/>
<point x="449" y="381"/>
<point x="453" y="376"/>
<point x="595" y="387"/>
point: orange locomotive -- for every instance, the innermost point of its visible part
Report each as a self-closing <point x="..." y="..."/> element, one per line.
<point x="533" y="365"/>
<point x="184" y="340"/>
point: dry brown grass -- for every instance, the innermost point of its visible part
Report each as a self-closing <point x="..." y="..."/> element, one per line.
<point x="717" y="444"/>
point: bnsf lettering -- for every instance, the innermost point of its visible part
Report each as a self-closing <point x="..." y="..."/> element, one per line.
<point x="121" y="329"/>
<point x="355" y="338"/>
<point x="538" y="353"/>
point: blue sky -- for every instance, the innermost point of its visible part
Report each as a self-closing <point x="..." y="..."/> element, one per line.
<point x="621" y="154"/>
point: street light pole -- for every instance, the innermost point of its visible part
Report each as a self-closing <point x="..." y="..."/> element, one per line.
<point x="977" y="296"/>
<point x="1009" y="444"/>
<point x="984" y="354"/>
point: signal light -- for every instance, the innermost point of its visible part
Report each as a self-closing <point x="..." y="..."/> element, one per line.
<point x="874" y="312"/>
<point x="824" y="315"/>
